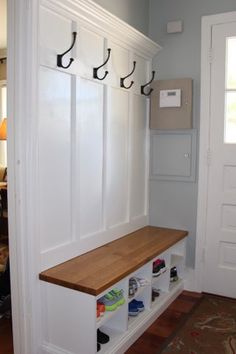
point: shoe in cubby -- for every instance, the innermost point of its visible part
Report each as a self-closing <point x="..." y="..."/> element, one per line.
<point x="113" y="299"/>
<point x="174" y="274"/>
<point x="118" y="295"/>
<point x="155" y="293"/>
<point x="102" y="338"/>
<point x="135" y="283"/>
<point x="158" y="267"/>
<point x="135" y="307"/>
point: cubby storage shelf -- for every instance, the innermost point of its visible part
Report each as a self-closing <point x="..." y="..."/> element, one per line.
<point x="175" y="284"/>
<point x="83" y="280"/>
<point x="108" y="315"/>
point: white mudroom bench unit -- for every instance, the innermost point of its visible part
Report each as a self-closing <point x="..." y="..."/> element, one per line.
<point x="70" y="291"/>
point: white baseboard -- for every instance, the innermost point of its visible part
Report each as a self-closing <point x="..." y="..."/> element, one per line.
<point x="190" y="281"/>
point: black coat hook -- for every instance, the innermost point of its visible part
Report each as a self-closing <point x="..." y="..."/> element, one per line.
<point x="60" y="56"/>
<point x="95" y="70"/>
<point x="143" y="86"/>
<point x="122" y="79"/>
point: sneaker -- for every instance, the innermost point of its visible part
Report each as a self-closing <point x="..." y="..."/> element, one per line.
<point x="173" y="274"/>
<point x="159" y="267"/>
<point x="133" y="310"/>
<point x="109" y="301"/>
<point x="98" y="314"/>
<point x="102" y="338"/>
<point x="155" y="293"/>
<point x="138" y="304"/>
<point x="118" y="294"/>
<point x="156" y="268"/>
<point x="163" y="265"/>
<point x="133" y="286"/>
<point x="101" y="308"/>
<point x="142" y="282"/>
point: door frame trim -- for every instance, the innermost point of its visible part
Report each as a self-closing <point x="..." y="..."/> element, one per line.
<point x="204" y="153"/>
<point x="22" y="83"/>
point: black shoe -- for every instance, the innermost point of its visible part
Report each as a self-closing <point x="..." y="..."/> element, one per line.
<point x="155" y="293"/>
<point x="98" y="347"/>
<point x="102" y="338"/>
<point x="173" y="274"/>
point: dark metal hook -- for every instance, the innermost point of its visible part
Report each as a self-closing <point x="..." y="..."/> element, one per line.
<point x="122" y="79"/>
<point x="60" y="56"/>
<point x="143" y="86"/>
<point x="95" y="70"/>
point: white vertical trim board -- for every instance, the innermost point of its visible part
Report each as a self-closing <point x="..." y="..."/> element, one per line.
<point x="22" y="71"/>
<point x="207" y="23"/>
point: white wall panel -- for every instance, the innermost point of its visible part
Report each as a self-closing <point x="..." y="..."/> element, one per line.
<point x="117" y="156"/>
<point x="118" y="64"/>
<point x="55" y="34"/>
<point x="141" y="75"/>
<point x="54" y="158"/>
<point x="92" y="159"/>
<point x="138" y="157"/>
<point x="90" y="52"/>
<point x="89" y="162"/>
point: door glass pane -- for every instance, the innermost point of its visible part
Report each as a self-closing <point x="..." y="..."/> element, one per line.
<point x="231" y="63"/>
<point x="230" y="92"/>
<point x="230" y="117"/>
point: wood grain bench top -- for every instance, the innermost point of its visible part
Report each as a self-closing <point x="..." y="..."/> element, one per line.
<point x="97" y="270"/>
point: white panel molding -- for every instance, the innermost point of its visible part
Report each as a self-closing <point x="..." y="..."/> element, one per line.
<point x="102" y="20"/>
<point x="52" y="256"/>
<point x="76" y="15"/>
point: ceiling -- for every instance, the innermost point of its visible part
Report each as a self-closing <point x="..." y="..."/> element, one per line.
<point x="3" y="24"/>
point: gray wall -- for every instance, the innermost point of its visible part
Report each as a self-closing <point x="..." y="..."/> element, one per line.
<point x="174" y="204"/>
<point x="134" y="12"/>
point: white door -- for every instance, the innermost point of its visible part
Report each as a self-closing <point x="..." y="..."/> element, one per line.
<point x="220" y="256"/>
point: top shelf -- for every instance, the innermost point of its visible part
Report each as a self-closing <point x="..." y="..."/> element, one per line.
<point x="97" y="270"/>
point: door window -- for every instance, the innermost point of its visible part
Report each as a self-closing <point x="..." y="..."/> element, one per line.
<point x="230" y="92"/>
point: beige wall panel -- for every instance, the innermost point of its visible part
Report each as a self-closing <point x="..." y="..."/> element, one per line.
<point x="172" y="117"/>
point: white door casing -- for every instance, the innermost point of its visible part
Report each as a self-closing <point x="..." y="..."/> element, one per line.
<point x="216" y="236"/>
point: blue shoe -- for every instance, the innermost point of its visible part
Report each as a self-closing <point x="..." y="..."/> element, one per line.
<point x="138" y="304"/>
<point x="133" y="310"/>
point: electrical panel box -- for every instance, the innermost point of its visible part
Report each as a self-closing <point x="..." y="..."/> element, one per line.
<point x="171" y="104"/>
<point x="173" y="155"/>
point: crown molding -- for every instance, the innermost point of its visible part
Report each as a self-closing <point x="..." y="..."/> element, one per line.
<point x="103" y="20"/>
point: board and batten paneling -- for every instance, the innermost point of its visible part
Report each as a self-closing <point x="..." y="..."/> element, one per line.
<point x="117" y="157"/>
<point x="89" y="137"/>
<point x="93" y="141"/>
<point x="54" y="158"/>
<point x="139" y="158"/>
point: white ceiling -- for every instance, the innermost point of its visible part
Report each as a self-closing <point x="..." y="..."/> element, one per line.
<point x="3" y="24"/>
